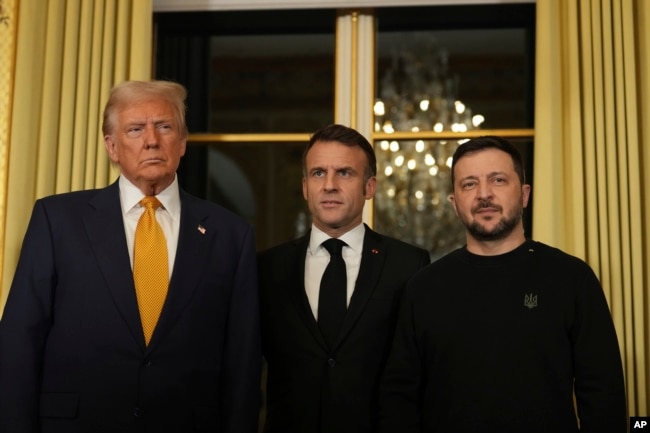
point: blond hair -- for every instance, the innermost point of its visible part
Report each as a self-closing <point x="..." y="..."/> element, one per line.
<point x="130" y="92"/>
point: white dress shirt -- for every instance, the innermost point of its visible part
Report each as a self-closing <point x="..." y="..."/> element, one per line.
<point x="168" y="215"/>
<point x="317" y="259"/>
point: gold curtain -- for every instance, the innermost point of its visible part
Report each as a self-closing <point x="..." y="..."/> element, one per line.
<point x="592" y="158"/>
<point x="68" y="55"/>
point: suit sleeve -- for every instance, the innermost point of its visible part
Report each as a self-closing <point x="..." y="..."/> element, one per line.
<point x="599" y="382"/>
<point x="24" y="328"/>
<point x="242" y="375"/>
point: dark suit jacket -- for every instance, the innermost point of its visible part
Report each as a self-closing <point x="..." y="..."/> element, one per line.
<point x="72" y="352"/>
<point x="312" y="389"/>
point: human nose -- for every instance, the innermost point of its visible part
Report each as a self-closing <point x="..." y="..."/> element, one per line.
<point x="484" y="190"/>
<point x="150" y="136"/>
<point x="330" y="181"/>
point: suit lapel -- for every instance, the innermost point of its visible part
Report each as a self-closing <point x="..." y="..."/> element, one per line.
<point x="297" y="287"/>
<point x="373" y="256"/>
<point x="192" y="254"/>
<point x="105" y="228"/>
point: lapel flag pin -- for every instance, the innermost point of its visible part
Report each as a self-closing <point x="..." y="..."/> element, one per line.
<point x="201" y="229"/>
<point x="375" y="251"/>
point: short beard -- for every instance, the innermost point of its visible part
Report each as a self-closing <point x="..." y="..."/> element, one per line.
<point x="502" y="230"/>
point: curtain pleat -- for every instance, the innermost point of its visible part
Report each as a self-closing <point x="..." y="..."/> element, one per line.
<point x="641" y="238"/>
<point x="69" y="55"/>
<point x="591" y="139"/>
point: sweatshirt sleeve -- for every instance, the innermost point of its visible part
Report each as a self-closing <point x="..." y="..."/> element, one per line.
<point x="599" y="382"/>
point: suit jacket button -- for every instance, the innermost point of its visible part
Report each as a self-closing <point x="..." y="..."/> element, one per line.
<point x="138" y="412"/>
<point x="147" y="364"/>
<point x="331" y="362"/>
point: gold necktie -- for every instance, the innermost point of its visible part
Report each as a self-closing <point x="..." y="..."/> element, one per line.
<point x="150" y="266"/>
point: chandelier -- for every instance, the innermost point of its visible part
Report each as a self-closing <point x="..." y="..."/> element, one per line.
<point x="418" y="93"/>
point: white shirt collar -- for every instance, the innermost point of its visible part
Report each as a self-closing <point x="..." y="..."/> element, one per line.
<point x="354" y="239"/>
<point x="130" y="196"/>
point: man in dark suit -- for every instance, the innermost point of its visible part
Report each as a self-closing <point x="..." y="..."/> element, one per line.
<point x="78" y="350"/>
<point x="322" y="372"/>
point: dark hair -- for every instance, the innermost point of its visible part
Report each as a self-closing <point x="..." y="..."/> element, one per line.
<point x="490" y="142"/>
<point x="347" y="136"/>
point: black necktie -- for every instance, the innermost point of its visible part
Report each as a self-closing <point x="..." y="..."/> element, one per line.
<point x="332" y="298"/>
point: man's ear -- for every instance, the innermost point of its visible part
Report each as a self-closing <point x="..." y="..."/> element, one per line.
<point x="525" y="194"/>
<point x="109" y="143"/>
<point x="183" y="146"/>
<point x="371" y="187"/>
<point x="452" y="200"/>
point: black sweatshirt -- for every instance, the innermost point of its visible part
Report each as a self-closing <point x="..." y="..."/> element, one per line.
<point x="494" y="344"/>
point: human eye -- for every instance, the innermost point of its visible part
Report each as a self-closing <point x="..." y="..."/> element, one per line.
<point x="165" y="126"/>
<point x="345" y="172"/>
<point x="468" y="184"/>
<point x="318" y="173"/>
<point x="134" y="131"/>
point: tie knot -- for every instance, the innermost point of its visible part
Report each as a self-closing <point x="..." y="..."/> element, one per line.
<point x="334" y="246"/>
<point x="150" y="202"/>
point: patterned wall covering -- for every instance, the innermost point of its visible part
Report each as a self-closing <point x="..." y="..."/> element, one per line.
<point x="8" y="9"/>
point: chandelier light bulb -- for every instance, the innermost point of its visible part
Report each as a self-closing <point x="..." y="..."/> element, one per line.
<point x="449" y="161"/>
<point x="477" y="120"/>
<point x="379" y="108"/>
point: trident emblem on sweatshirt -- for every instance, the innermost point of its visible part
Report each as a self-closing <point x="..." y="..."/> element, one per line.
<point x="530" y="301"/>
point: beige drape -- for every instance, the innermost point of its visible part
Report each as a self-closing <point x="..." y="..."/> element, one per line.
<point x="69" y="53"/>
<point x="592" y="158"/>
